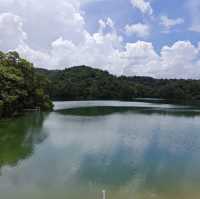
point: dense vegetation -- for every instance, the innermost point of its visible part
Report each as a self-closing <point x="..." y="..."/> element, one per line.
<point x="23" y="87"/>
<point x="83" y="83"/>
<point x="20" y="86"/>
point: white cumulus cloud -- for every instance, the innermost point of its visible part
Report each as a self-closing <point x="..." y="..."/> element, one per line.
<point x="139" y="29"/>
<point x="54" y="35"/>
<point x="46" y="20"/>
<point x="140" y="58"/>
<point x="100" y="49"/>
<point x="11" y="31"/>
<point x="143" y="6"/>
<point x="181" y="60"/>
<point x="169" y="23"/>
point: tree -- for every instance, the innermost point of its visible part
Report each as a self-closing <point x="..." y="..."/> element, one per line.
<point x="20" y="86"/>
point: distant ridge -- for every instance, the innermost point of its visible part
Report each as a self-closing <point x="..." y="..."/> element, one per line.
<point x="87" y="83"/>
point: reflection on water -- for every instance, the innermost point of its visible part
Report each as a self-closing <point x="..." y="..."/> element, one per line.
<point x="107" y="110"/>
<point x="18" y="136"/>
<point x="139" y="151"/>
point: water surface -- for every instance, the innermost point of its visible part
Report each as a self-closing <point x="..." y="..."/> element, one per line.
<point x="133" y="150"/>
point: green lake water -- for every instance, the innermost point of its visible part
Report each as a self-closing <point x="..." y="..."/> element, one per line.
<point x="133" y="150"/>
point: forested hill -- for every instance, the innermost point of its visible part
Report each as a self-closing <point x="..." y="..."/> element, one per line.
<point x="20" y="87"/>
<point x="84" y="83"/>
<point x="23" y="87"/>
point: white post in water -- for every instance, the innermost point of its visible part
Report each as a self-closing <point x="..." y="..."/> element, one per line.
<point x="104" y="194"/>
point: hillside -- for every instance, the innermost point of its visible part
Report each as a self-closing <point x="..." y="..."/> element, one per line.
<point x="81" y="83"/>
<point x="86" y="83"/>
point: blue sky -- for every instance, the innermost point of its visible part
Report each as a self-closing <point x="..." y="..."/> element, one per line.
<point x="158" y="38"/>
<point x="122" y="13"/>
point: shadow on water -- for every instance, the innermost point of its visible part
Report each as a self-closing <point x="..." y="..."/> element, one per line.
<point x="108" y="110"/>
<point x="18" y="137"/>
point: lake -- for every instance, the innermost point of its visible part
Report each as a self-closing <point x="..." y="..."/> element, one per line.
<point x="132" y="150"/>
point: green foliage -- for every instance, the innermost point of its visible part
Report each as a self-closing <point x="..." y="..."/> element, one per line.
<point x="84" y="83"/>
<point x="23" y="87"/>
<point x="20" y="87"/>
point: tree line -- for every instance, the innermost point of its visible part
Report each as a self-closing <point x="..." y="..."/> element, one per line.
<point x="24" y="87"/>
<point x="86" y="83"/>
